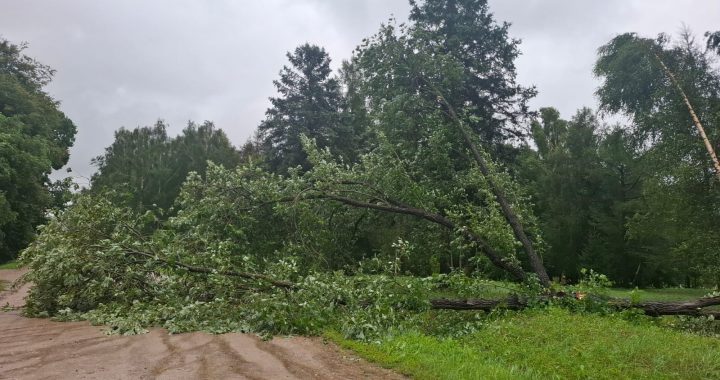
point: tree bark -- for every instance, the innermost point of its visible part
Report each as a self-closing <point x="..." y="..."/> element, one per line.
<point x="695" y="118"/>
<point x="510" y="215"/>
<point x="494" y="256"/>
<point x="656" y="308"/>
<point x="512" y="302"/>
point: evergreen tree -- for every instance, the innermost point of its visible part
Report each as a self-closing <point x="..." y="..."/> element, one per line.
<point x="468" y="32"/>
<point x="309" y="104"/>
<point x="564" y="173"/>
<point x="617" y="200"/>
<point x="587" y="184"/>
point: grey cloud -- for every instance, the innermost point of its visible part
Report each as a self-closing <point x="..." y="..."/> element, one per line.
<point x="561" y="37"/>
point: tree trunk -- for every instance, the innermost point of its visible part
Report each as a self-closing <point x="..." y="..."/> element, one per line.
<point x="512" y="302"/>
<point x="696" y="120"/>
<point x="510" y="216"/>
<point x="651" y="308"/>
<point x="494" y="257"/>
<point x="656" y="308"/>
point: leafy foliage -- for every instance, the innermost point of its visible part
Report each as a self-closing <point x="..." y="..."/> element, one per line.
<point x="245" y="221"/>
<point x="146" y="167"/>
<point x="34" y="139"/>
<point x="680" y="198"/>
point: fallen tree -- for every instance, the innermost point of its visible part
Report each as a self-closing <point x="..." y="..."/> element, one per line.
<point x="651" y="308"/>
<point x="512" y="302"/>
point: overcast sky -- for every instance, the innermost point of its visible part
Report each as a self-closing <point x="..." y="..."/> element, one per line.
<point x="128" y="63"/>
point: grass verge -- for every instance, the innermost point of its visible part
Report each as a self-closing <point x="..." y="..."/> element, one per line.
<point x="545" y="344"/>
<point x="10" y="265"/>
<point x="662" y="294"/>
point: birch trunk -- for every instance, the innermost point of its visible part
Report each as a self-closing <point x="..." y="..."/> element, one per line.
<point x="694" y="116"/>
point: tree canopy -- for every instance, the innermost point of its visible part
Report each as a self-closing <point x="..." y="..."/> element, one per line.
<point x="35" y="137"/>
<point x="309" y="104"/>
<point x="419" y="158"/>
<point x="146" y="167"/>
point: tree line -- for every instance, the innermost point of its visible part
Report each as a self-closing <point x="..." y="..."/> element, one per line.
<point x="422" y="148"/>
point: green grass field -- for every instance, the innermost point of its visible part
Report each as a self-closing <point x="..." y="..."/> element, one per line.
<point x="499" y="289"/>
<point x="547" y="344"/>
<point x="666" y="294"/>
<point x="555" y="343"/>
<point x="10" y="265"/>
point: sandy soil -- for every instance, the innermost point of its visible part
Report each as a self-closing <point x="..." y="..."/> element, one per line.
<point x="42" y="349"/>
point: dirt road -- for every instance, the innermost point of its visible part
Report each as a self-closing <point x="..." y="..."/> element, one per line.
<point x="42" y="349"/>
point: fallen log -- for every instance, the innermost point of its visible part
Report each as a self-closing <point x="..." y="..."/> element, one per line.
<point x="512" y="302"/>
<point x="657" y="308"/>
<point x="651" y="308"/>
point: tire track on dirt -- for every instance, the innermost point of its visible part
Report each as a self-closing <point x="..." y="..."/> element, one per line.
<point x="34" y="348"/>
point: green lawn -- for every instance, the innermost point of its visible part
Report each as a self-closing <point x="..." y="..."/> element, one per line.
<point x="494" y="289"/>
<point x="10" y="265"/>
<point x="665" y="294"/>
<point x="552" y="343"/>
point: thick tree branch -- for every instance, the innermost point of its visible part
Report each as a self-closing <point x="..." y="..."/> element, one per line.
<point x="494" y="257"/>
<point x="510" y="215"/>
<point x="397" y="207"/>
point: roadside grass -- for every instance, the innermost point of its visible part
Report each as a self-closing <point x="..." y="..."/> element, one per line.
<point x="660" y="294"/>
<point x="10" y="265"/>
<point x="547" y="344"/>
<point x="498" y="289"/>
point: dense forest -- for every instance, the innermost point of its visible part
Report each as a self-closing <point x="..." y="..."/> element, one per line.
<point x="420" y="158"/>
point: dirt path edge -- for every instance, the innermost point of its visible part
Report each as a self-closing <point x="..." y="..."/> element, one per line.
<point x="33" y="348"/>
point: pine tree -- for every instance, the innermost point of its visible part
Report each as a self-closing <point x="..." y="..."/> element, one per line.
<point x="309" y="104"/>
